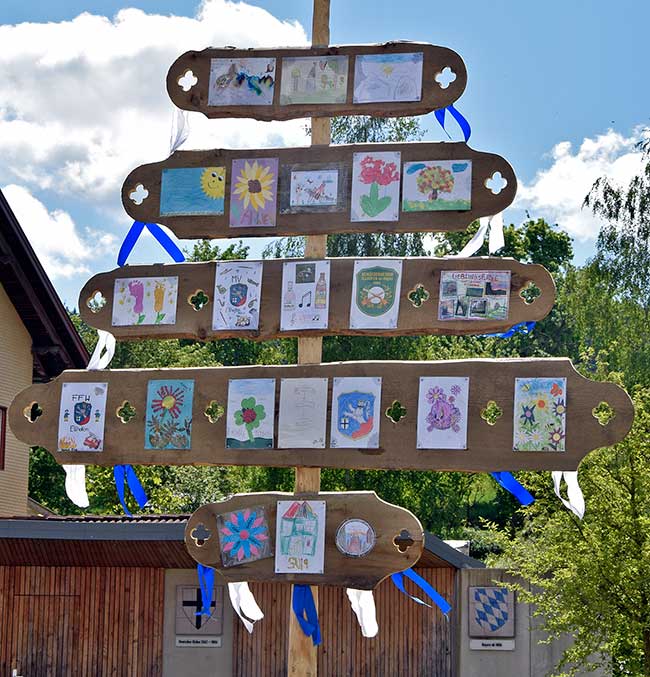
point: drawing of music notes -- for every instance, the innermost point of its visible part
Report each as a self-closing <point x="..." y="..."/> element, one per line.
<point x="302" y="303"/>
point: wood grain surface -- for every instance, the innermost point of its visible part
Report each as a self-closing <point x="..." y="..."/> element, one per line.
<point x="364" y="573"/>
<point x="412" y="320"/>
<point x="434" y="96"/>
<point x="318" y="222"/>
<point x="489" y="447"/>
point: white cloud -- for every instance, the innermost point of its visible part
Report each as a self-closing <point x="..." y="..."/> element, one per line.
<point x="557" y="193"/>
<point x="54" y="235"/>
<point x="83" y="102"/>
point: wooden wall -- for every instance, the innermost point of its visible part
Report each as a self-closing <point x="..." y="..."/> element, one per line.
<point x="81" y="621"/>
<point x="412" y="639"/>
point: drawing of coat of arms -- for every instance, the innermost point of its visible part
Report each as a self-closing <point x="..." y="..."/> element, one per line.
<point x="238" y="294"/>
<point x="81" y="412"/>
<point x="376" y="290"/>
<point x="355" y="414"/>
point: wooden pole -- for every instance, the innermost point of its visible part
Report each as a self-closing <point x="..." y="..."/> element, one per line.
<point x="302" y="658"/>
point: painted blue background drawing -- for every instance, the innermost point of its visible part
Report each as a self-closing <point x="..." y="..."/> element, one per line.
<point x="192" y="191"/>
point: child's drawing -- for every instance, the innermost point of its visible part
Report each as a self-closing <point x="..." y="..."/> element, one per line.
<point x="305" y="295"/>
<point x="253" y="192"/>
<point x="442" y="412"/>
<point x="317" y="79"/>
<point x="189" y="191"/>
<point x="169" y="414"/>
<point x="237" y="295"/>
<point x="300" y="537"/>
<point x="376" y="287"/>
<point x="474" y="295"/>
<point x="355" y="538"/>
<point x="244" y="536"/>
<point x="437" y="185"/>
<point x="388" y="77"/>
<point x="314" y="188"/>
<point x="303" y="413"/>
<point x="540" y="414"/>
<point x="356" y="403"/>
<point x="82" y="415"/>
<point x="144" y="300"/>
<point x="375" y="186"/>
<point x="251" y="410"/>
<point x="242" y="82"/>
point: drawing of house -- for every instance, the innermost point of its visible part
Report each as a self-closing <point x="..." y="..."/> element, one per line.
<point x="299" y="530"/>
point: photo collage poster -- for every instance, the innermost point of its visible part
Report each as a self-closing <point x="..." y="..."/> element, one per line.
<point x="474" y="295"/>
<point x="305" y="295"/>
<point x="237" y="295"/>
<point x="82" y="416"/>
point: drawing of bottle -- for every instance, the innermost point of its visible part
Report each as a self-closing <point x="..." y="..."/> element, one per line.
<point x="290" y="297"/>
<point x="321" y="292"/>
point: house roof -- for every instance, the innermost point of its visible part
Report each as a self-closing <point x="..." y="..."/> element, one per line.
<point x="56" y="345"/>
<point x="141" y="541"/>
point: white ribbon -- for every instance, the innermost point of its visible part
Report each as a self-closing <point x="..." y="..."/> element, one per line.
<point x="180" y="130"/>
<point x="363" y="605"/>
<point x="244" y="604"/>
<point x="75" y="475"/>
<point x="496" y="240"/>
<point x="576" y="502"/>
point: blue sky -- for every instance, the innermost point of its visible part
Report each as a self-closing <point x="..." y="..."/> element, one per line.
<point x="558" y="88"/>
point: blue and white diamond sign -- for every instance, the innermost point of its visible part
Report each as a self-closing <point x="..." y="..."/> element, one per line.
<point x="491" y="612"/>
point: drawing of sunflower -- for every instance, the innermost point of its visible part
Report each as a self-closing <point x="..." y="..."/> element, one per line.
<point x="253" y="185"/>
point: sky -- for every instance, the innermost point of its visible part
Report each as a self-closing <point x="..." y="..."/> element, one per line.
<point x="557" y="88"/>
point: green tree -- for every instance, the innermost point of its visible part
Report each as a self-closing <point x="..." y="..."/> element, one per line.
<point x="591" y="578"/>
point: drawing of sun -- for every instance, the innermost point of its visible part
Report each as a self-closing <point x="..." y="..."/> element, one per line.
<point x="169" y="401"/>
<point x="253" y="185"/>
<point x="213" y="182"/>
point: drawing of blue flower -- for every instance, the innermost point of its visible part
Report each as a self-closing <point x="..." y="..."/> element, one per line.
<point x="243" y="536"/>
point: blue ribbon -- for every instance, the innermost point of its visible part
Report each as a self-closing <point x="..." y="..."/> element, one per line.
<point x="425" y="586"/>
<point x="134" y="233"/>
<point x="521" y="328"/>
<point x="206" y="584"/>
<point x="305" y="611"/>
<point x="458" y="116"/>
<point x="126" y="472"/>
<point x="509" y="483"/>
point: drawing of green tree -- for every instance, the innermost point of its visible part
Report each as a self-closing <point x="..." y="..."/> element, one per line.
<point x="250" y="415"/>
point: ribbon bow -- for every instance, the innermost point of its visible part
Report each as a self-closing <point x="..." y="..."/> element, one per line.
<point x="206" y="584"/>
<point x="458" y="116"/>
<point x="124" y="474"/>
<point x="305" y="611"/>
<point x="496" y="240"/>
<point x="576" y="502"/>
<point x="425" y="586"/>
<point x="159" y="234"/>
<point x="509" y="483"/>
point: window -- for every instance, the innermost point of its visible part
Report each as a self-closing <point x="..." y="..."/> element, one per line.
<point x="3" y="435"/>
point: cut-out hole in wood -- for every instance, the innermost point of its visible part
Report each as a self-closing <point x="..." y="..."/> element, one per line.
<point x="403" y="540"/>
<point x="200" y="534"/>
<point x="491" y="413"/>
<point x="445" y="77"/>
<point x="33" y="411"/>
<point x="603" y="413"/>
<point x="396" y="412"/>
<point x="96" y="301"/>
<point x="214" y="411"/>
<point x="126" y="412"/>
<point x="495" y="183"/>
<point x="187" y="81"/>
<point x="530" y="292"/>
<point x="198" y="299"/>
<point x="418" y="295"/>
<point x="139" y="194"/>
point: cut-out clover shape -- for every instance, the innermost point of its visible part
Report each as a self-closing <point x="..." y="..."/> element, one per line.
<point x="187" y="81"/>
<point x="200" y="534"/>
<point x="139" y="194"/>
<point x="126" y="412"/>
<point x="214" y="411"/>
<point x="496" y="183"/>
<point x="250" y="416"/>
<point x="445" y="77"/>
<point x="491" y="413"/>
<point x="403" y="540"/>
<point x="198" y="299"/>
<point x="396" y="412"/>
<point x="418" y="295"/>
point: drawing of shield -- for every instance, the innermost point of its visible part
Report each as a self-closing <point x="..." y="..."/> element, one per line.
<point x="355" y="414"/>
<point x="376" y="290"/>
<point x="82" y="411"/>
<point x="238" y="294"/>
